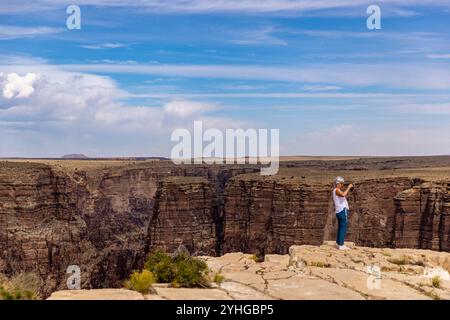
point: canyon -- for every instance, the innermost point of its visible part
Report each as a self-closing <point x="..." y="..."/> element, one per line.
<point x="106" y="215"/>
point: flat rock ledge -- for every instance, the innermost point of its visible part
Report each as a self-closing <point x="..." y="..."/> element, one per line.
<point x="306" y="273"/>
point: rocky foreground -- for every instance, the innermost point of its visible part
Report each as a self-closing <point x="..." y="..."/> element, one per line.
<point x="310" y="272"/>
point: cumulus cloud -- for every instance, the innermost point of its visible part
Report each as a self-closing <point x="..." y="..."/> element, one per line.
<point x="15" y="86"/>
<point x="65" y="96"/>
<point x="63" y="112"/>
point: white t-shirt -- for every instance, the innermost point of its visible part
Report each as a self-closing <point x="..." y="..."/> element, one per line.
<point x="340" y="203"/>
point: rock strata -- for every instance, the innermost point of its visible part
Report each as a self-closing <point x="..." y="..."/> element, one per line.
<point x="106" y="216"/>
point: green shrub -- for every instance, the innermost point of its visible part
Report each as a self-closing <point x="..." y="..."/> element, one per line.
<point x="23" y="286"/>
<point x="190" y="272"/>
<point x="161" y="265"/>
<point x="181" y="270"/>
<point x="140" y="281"/>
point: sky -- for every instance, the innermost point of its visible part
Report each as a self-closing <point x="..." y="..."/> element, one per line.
<point x="137" y="70"/>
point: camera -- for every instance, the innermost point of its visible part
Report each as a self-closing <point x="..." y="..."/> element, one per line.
<point x="347" y="183"/>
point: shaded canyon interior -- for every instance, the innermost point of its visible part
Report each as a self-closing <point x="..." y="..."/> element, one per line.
<point x="106" y="216"/>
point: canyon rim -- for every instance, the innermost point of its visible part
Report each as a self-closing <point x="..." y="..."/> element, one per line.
<point x="107" y="215"/>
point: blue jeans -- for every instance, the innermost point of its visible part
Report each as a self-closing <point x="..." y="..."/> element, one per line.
<point x="342" y="226"/>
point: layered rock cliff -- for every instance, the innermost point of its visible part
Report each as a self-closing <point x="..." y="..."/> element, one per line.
<point x="186" y="213"/>
<point x="268" y="215"/>
<point x="422" y="217"/>
<point x="105" y="218"/>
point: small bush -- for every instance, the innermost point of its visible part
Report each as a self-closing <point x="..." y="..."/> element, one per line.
<point x="191" y="272"/>
<point x="436" y="281"/>
<point x="23" y="286"/>
<point x="140" y="281"/>
<point x="161" y="265"/>
<point x="181" y="270"/>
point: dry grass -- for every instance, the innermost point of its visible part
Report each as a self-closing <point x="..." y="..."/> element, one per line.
<point x="22" y="286"/>
<point x="436" y="282"/>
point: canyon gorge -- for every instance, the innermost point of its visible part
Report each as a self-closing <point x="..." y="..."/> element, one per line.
<point x="106" y="215"/>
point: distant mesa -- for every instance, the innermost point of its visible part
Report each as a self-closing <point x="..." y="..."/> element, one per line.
<point x="74" y="156"/>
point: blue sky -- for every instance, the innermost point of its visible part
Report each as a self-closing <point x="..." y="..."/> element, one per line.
<point x="139" y="69"/>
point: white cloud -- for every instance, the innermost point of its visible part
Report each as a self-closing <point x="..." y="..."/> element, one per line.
<point x="64" y="96"/>
<point x="439" y="56"/>
<point x="424" y="108"/>
<point x="8" y="32"/>
<point x="423" y="76"/>
<point x="376" y="140"/>
<point x="321" y="88"/>
<point x="235" y="6"/>
<point x="260" y="37"/>
<point x="107" y="45"/>
<point x="15" y="86"/>
<point x="180" y="108"/>
<point x="65" y="112"/>
<point x="110" y="61"/>
<point x="55" y="111"/>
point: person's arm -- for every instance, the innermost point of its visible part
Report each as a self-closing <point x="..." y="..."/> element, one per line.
<point x="344" y="194"/>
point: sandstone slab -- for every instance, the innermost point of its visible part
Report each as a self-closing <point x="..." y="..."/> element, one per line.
<point x="192" y="294"/>
<point x="96" y="294"/>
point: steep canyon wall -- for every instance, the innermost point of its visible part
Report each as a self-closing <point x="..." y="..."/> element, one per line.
<point x="107" y="220"/>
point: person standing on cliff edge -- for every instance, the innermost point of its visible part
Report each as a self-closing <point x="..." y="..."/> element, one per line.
<point x="341" y="209"/>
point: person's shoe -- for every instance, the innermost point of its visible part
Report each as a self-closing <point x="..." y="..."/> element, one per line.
<point x="343" y="247"/>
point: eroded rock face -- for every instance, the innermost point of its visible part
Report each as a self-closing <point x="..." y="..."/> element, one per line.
<point x="265" y="215"/>
<point x="268" y="215"/>
<point x="186" y="213"/>
<point x="422" y="217"/>
<point x="40" y="228"/>
<point x="106" y="219"/>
